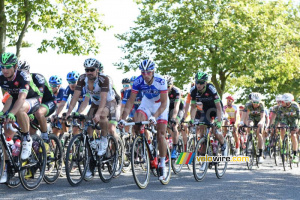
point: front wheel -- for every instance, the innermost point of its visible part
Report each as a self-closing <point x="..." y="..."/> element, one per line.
<point x="120" y="159"/>
<point x="200" y="166"/>
<point x="221" y="164"/>
<point x="140" y="162"/>
<point x="168" y="167"/>
<point x="177" y="167"/>
<point x="250" y="152"/>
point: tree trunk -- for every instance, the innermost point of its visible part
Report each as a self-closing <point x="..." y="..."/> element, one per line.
<point x="24" y="29"/>
<point x="2" y="27"/>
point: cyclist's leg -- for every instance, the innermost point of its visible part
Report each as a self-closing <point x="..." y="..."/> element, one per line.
<point x="112" y="106"/>
<point x="259" y="135"/>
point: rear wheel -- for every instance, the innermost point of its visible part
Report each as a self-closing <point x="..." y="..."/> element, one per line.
<point x="127" y="155"/>
<point x="221" y="165"/>
<point x="200" y="167"/>
<point x="190" y="148"/>
<point x="120" y="159"/>
<point x="168" y="167"/>
<point x="54" y="160"/>
<point x="250" y="151"/>
<point x="177" y="167"/>
<point x="33" y="169"/>
<point x="108" y="162"/>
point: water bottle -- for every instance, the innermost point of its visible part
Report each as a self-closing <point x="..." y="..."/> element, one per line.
<point x="150" y="146"/>
<point x="9" y="142"/>
<point x="16" y="148"/>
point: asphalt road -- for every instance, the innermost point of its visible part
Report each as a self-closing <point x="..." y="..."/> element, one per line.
<point x="266" y="182"/>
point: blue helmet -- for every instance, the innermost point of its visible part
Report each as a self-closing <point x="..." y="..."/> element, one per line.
<point x="133" y="78"/>
<point x="73" y="76"/>
<point x="146" y="65"/>
<point x="55" y="80"/>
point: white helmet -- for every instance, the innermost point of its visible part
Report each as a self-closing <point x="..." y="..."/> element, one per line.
<point x="287" y="97"/>
<point x="91" y="62"/>
<point x="279" y="97"/>
<point x="255" y="96"/>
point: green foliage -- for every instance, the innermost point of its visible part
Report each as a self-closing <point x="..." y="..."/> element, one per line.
<point x="243" y="44"/>
<point x="70" y="25"/>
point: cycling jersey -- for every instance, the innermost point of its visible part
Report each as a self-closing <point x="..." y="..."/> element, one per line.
<point x="174" y="96"/>
<point x="137" y="101"/>
<point x="151" y="99"/>
<point x="289" y="115"/>
<point x="254" y="113"/>
<point x="69" y="92"/>
<point x="274" y="109"/>
<point x="231" y="111"/>
<point x="101" y="84"/>
<point x="59" y="96"/>
<point x="21" y="82"/>
<point x="5" y="97"/>
<point x="44" y="88"/>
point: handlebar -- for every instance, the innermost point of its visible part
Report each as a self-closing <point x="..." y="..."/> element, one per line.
<point x="136" y="123"/>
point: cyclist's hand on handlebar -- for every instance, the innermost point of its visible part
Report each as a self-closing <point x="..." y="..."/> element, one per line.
<point x="173" y="121"/>
<point x="152" y="120"/>
<point x="10" y="118"/>
<point x="241" y="123"/>
<point x="219" y="124"/>
<point x="191" y="122"/>
<point x="31" y="117"/>
<point x="1" y="113"/>
<point x="121" y="123"/>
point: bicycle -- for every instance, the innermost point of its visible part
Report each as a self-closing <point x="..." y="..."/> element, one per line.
<point x="204" y="147"/>
<point x="192" y="141"/>
<point x="251" y="147"/>
<point x="30" y="171"/>
<point x="54" y="157"/>
<point x="80" y="156"/>
<point x="275" y="147"/>
<point x="243" y="140"/>
<point x="230" y="140"/>
<point x="141" y="154"/>
<point x="286" y="148"/>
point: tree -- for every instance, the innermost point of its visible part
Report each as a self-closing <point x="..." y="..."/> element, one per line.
<point x="70" y="25"/>
<point x="233" y="40"/>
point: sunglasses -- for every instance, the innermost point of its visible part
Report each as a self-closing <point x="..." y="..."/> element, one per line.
<point x="147" y="72"/>
<point x="131" y="83"/>
<point x="200" y="82"/>
<point x="125" y="86"/>
<point x="89" y="70"/>
<point x="53" y="85"/>
<point x="6" y="67"/>
<point x="71" y="82"/>
<point x="255" y="102"/>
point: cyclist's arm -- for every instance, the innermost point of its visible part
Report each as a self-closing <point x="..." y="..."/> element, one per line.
<point x="176" y="105"/>
<point x="219" y="111"/>
<point x="262" y="117"/>
<point x="19" y="103"/>
<point x="163" y="105"/>
<point x="72" y="104"/>
<point x="193" y="110"/>
<point x="84" y="104"/>
<point x="103" y="96"/>
<point x="7" y="104"/>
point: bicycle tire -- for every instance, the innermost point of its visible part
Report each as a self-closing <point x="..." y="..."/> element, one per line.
<point x="77" y="154"/>
<point x="290" y="154"/>
<point x="283" y="154"/>
<point x="200" y="177"/>
<point x="249" y="152"/>
<point x="168" y="165"/>
<point x="40" y="157"/>
<point x="127" y="155"/>
<point x="219" y="171"/>
<point x="140" y="152"/>
<point x="107" y="167"/>
<point x="2" y="161"/>
<point x="190" y="148"/>
<point x="56" y="158"/>
<point x="177" y="168"/>
<point x="120" y="159"/>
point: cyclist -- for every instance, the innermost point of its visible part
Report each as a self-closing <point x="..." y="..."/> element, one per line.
<point x="288" y="114"/>
<point x="254" y="112"/>
<point x="176" y="113"/>
<point x="48" y="104"/>
<point x="72" y="78"/>
<point x="102" y="95"/>
<point x="126" y="85"/>
<point x="58" y="92"/>
<point x="231" y="111"/>
<point x="25" y="100"/>
<point x="154" y="106"/>
<point x="206" y="96"/>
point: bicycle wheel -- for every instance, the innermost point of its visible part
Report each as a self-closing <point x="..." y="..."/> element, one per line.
<point x="168" y="166"/>
<point x="249" y="152"/>
<point x="2" y="161"/>
<point x="140" y="162"/>
<point x="190" y="148"/>
<point x="277" y="151"/>
<point x="120" y="159"/>
<point x="108" y="162"/>
<point x="200" y="167"/>
<point x="127" y="155"/>
<point x="284" y="153"/>
<point x="221" y="165"/>
<point x="13" y="179"/>
<point x="54" y="160"/>
<point x="177" y="168"/>
<point x="290" y="154"/>
<point x="33" y="169"/>
<point x="76" y="160"/>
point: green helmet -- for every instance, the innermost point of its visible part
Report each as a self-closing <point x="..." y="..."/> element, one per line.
<point x="201" y="76"/>
<point x="8" y="59"/>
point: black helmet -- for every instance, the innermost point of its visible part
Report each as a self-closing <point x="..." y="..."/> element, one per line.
<point x="24" y="65"/>
<point x="125" y="81"/>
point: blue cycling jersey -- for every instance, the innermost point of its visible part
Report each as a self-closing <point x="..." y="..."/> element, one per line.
<point x="59" y="96"/>
<point x="137" y="100"/>
<point x="69" y="92"/>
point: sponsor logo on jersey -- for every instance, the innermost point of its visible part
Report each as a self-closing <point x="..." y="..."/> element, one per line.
<point x="25" y="76"/>
<point x="41" y="89"/>
<point x="206" y="94"/>
<point x="16" y="83"/>
<point x="27" y="87"/>
<point x="40" y="79"/>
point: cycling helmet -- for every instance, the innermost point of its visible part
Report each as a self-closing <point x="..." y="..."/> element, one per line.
<point x="24" y="65"/>
<point x="125" y="81"/>
<point x="133" y="78"/>
<point x="8" y="59"/>
<point x="73" y="76"/>
<point x="255" y="96"/>
<point x="169" y="79"/>
<point x="55" y="80"/>
<point x="230" y="98"/>
<point x="146" y="65"/>
<point x="287" y="97"/>
<point x="92" y="62"/>
<point x="201" y="76"/>
<point x="279" y="97"/>
<point x="298" y="100"/>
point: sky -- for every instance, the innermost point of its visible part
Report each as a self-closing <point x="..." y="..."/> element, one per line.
<point x="120" y="14"/>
